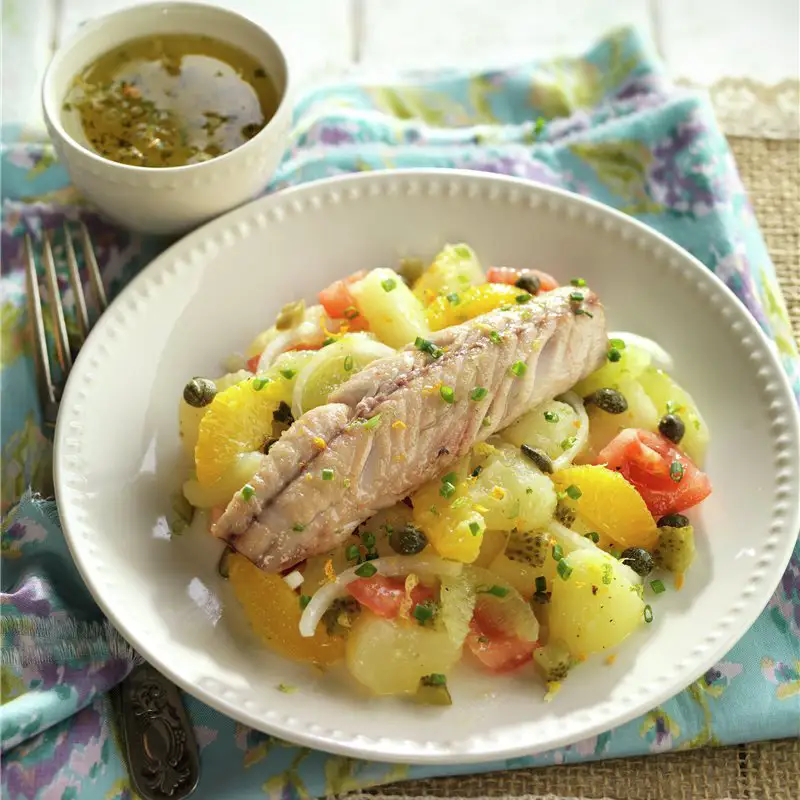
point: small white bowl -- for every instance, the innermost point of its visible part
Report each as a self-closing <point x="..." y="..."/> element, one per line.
<point x="168" y="199"/>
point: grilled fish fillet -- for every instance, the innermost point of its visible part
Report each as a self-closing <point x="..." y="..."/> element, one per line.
<point x="389" y="429"/>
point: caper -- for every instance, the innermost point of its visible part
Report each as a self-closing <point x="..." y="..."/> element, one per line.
<point x="199" y="392"/>
<point x="609" y="400"/>
<point x="224" y="564"/>
<point x="528" y="283"/>
<point x="408" y="540"/>
<point x="671" y="426"/>
<point x="638" y="559"/>
<point x="673" y="521"/>
<point x="539" y="457"/>
<point x="291" y="315"/>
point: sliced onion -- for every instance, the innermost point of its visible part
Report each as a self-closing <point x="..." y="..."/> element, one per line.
<point x="309" y="330"/>
<point x="582" y="436"/>
<point x="569" y="541"/>
<point x="391" y="567"/>
<point x="294" y="579"/>
<point x="661" y="358"/>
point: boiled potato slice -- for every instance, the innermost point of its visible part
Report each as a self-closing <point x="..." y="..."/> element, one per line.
<point x="390" y="656"/>
<point x="669" y="398"/>
<point x="596" y="607"/>
<point x="221" y="492"/>
<point x="632" y="363"/>
<point x="545" y="428"/>
<point x="394" y="314"/>
<point x="453" y="270"/>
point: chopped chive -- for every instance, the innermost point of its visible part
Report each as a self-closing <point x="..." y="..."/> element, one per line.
<point x="579" y="282"/>
<point x="434" y="679"/>
<point x="658" y="586"/>
<point x="568" y="442"/>
<point x="351" y="312"/>
<point x="495" y="591"/>
<point x="551" y="416"/>
<point x="564" y="570"/>
<point x="676" y="471"/>
<point x="369" y="540"/>
<point x="389" y="284"/>
<point x="573" y="491"/>
<point x="260" y="383"/>
<point x="373" y="422"/>
<point x="519" y="368"/>
<point x="366" y="570"/>
<point x="346" y="483"/>
<point x="447" y="393"/>
<point x="579" y="311"/>
<point x="305" y="599"/>
<point x="447" y="490"/>
<point x="648" y="614"/>
<point x="288" y="373"/>
<point x="352" y="553"/>
<point x="558" y="552"/>
<point x="474" y="528"/>
<point x="486" y="422"/>
<point x="451" y="477"/>
<point x="427" y="346"/>
<point x="327" y="474"/>
<point x="593" y="535"/>
<point x="247" y="492"/>
<point x="423" y="613"/>
<point x="614" y="355"/>
<point x="495" y="337"/>
<point x="453" y="299"/>
<point x="478" y="393"/>
<point x="298" y="527"/>
<point x="576" y="297"/>
<point x="328" y="340"/>
<point x="617" y="344"/>
<point x="348" y="363"/>
<point x="523" y="298"/>
<point x="541" y="584"/>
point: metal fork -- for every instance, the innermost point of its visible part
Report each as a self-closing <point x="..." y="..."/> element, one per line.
<point x="161" y="749"/>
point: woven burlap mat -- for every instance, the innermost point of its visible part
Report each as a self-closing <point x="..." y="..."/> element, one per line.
<point x="765" y="771"/>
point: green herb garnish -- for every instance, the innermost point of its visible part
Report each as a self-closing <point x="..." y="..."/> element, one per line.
<point x="366" y="570"/>
<point x="327" y="474"/>
<point x="658" y="586"/>
<point x="495" y="591"/>
<point x="448" y="394"/>
<point x="676" y="471"/>
<point x="474" y="528"/>
<point x="348" y="363"/>
<point x="447" y="490"/>
<point x="427" y="346"/>
<point x="298" y="527"/>
<point x="478" y="393"/>
<point x="389" y="284"/>
<point x="247" y="492"/>
<point x="519" y="368"/>
<point x="573" y="491"/>
<point x="373" y="422"/>
<point x="648" y="614"/>
<point x="564" y="570"/>
<point x="593" y="535"/>
<point x="551" y="416"/>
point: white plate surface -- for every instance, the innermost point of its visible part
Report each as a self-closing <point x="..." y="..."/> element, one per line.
<point x="116" y="447"/>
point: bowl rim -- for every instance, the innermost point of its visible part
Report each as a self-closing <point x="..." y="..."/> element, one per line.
<point x="385" y="748"/>
<point x="50" y="103"/>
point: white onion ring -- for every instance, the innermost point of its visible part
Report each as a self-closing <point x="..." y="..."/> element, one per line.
<point x="309" y="330"/>
<point x="575" y="541"/>
<point x="568" y="456"/>
<point x="391" y="566"/>
<point x="661" y="358"/>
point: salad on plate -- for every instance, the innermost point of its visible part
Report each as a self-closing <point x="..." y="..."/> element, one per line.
<point x="436" y="464"/>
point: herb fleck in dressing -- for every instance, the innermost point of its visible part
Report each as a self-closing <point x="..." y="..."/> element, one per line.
<point x="170" y="100"/>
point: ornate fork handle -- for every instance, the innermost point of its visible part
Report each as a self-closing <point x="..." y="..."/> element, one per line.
<point x="159" y="739"/>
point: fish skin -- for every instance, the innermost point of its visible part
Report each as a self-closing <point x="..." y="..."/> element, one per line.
<point x="293" y="513"/>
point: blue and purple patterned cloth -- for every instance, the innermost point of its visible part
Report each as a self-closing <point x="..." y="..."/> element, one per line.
<point x="615" y="130"/>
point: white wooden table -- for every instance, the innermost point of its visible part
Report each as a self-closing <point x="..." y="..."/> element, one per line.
<point x="746" y="52"/>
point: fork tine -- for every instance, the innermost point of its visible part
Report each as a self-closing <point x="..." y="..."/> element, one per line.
<point x="47" y="395"/>
<point x="94" y="270"/>
<point x="56" y="307"/>
<point x="77" y="286"/>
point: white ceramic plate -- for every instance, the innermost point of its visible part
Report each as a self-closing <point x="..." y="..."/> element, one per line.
<point x="205" y="298"/>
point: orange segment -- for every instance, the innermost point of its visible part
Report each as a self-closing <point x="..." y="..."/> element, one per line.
<point x="239" y="420"/>
<point x="610" y="504"/>
<point x="458" y="307"/>
<point x="273" y="610"/>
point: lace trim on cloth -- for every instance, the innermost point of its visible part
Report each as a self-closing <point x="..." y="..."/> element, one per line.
<point x="746" y="107"/>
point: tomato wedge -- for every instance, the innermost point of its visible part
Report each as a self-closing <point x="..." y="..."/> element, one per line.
<point x="667" y="479"/>
<point x="508" y="275"/>
<point x="384" y="596"/>
<point x="340" y="305"/>
<point x="496" y="650"/>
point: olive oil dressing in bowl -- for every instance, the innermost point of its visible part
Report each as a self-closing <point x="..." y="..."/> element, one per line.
<point x="168" y="101"/>
<point x="169" y="114"/>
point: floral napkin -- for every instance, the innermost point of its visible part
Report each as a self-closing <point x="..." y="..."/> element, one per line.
<point x="607" y="125"/>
